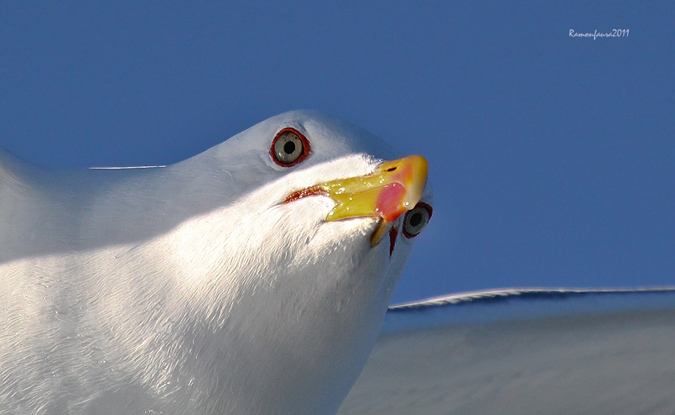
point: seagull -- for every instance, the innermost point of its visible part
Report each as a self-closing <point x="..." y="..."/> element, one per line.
<point x="252" y="278"/>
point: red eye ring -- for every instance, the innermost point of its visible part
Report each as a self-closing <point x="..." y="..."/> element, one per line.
<point x="289" y="147"/>
<point x="412" y="230"/>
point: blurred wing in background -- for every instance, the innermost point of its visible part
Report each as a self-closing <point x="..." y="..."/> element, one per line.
<point x="524" y="352"/>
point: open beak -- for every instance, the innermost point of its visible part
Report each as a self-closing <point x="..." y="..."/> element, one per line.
<point x="392" y="189"/>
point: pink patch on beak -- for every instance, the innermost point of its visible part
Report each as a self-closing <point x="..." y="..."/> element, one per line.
<point x="389" y="205"/>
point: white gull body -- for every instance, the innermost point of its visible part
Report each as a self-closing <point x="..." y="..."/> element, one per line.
<point x="191" y="288"/>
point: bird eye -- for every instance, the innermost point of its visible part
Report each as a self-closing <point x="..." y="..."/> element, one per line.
<point x="416" y="219"/>
<point x="289" y="147"/>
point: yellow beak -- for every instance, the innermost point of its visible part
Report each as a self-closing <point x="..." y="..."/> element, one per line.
<point x="391" y="190"/>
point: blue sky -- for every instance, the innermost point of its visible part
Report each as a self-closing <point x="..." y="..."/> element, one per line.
<point x="552" y="157"/>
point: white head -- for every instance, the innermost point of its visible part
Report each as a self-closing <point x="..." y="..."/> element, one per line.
<point x="296" y="300"/>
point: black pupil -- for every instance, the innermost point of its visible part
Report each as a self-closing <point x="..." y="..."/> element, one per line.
<point x="289" y="147"/>
<point x="415" y="219"/>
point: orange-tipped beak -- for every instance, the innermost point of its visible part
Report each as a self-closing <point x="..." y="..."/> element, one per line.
<point x="394" y="188"/>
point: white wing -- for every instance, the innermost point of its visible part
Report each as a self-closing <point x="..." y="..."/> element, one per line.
<point x="524" y="352"/>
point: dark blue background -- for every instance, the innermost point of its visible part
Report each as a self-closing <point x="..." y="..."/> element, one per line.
<point x="552" y="158"/>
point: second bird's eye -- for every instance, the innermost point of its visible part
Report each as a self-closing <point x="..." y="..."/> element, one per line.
<point x="416" y="219"/>
<point x="289" y="147"/>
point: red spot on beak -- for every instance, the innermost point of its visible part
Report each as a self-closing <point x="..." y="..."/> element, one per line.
<point x="389" y="204"/>
<point x="393" y="233"/>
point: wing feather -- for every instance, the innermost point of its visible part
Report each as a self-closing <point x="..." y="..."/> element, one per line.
<point x="524" y="352"/>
